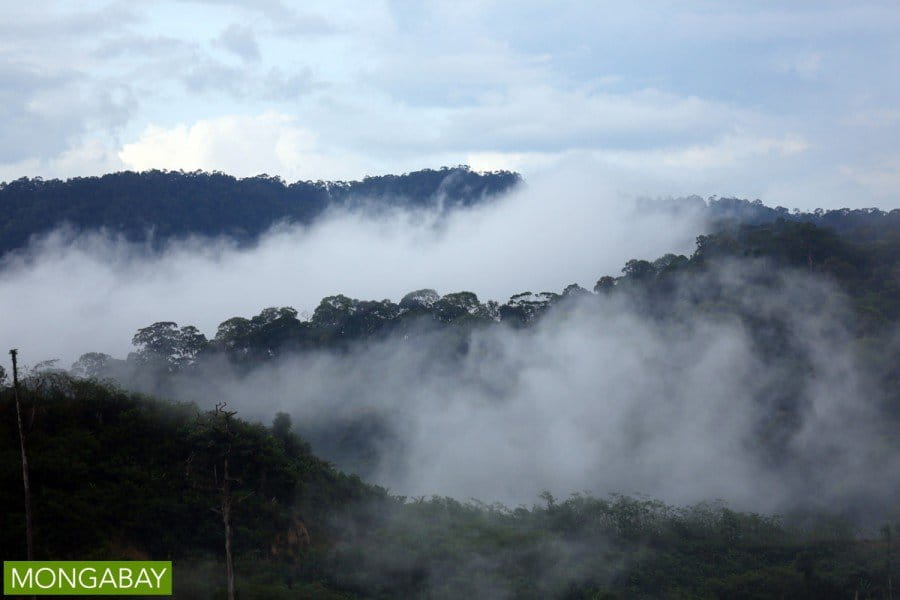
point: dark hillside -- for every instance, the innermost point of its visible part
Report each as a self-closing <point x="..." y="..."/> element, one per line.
<point x="119" y="476"/>
<point x="171" y="205"/>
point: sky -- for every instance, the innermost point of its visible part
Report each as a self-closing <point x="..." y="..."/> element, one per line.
<point x="797" y="103"/>
<point x="595" y="103"/>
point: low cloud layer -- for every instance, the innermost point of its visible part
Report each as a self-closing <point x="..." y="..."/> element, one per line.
<point x="601" y="398"/>
<point x="596" y="397"/>
<point x="72" y="294"/>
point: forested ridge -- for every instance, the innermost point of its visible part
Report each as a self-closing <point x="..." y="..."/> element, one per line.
<point x="160" y="206"/>
<point x="863" y="263"/>
<point x="721" y="282"/>
<point x="119" y="473"/>
<point x="450" y="301"/>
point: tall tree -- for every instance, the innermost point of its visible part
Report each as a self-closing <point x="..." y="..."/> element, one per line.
<point x="225" y="424"/>
<point x="219" y="436"/>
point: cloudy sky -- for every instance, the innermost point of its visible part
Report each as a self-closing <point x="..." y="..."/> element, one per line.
<point x="794" y="103"/>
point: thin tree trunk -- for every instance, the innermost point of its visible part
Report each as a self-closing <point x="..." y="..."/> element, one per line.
<point x="226" y="519"/>
<point x="224" y="421"/>
<point x="889" y="563"/>
<point x="26" y="484"/>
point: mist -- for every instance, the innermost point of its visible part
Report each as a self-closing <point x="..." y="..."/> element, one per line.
<point x="596" y="397"/>
<point x="599" y="398"/>
<point x="68" y="293"/>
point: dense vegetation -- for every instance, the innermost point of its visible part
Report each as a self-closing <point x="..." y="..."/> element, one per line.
<point x="163" y="205"/>
<point x="159" y="206"/>
<point x="123" y="476"/>
<point x="863" y="262"/>
<point x="118" y="474"/>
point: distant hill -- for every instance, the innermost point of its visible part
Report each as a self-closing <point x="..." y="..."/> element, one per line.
<point x="164" y="205"/>
<point x="859" y="224"/>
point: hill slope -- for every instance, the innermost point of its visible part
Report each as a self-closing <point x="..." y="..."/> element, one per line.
<point x="122" y="476"/>
<point x="170" y="205"/>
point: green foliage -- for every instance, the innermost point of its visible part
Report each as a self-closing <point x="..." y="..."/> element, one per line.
<point x="158" y="206"/>
<point x="861" y="272"/>
<point x="117" y="472"/>
<point x="586" y="547"/>
<point x="118" y="475"/>
<point x="865" y="269"/>
<point x="163" y="345"/>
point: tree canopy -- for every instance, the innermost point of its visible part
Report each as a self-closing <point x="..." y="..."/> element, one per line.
<point x="159" y="206"/>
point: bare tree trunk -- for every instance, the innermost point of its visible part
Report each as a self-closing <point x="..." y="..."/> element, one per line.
<point x="226" y="519"/>
<point x="223" y="418"/>
<point x="890" y="583"/>
<point x="29" y="529"/>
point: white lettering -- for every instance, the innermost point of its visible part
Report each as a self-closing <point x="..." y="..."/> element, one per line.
<point x="37" y="578"/>
<point x="91" y="579"/>
<point x="68" y="578"/>
<point x="108" y="578"/>
<point x="124" y="578"/>
<point x="143" y="578"/>
<point x="159" y="576"/>
<point x="19" y="581"/>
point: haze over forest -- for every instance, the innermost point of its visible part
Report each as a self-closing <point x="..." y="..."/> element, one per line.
<point x="425" y="300"/>
<point x="750" y="344"/>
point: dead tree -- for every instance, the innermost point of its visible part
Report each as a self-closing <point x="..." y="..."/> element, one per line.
<point x="886" y="530"/>
<point x="211" y="469"/>
<point x="26" y="485"/>
<point x="223" y="427"/>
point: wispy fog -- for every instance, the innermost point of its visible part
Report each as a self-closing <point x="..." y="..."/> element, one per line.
<point x="602" y="399"/>
<point x="69" y="294"/>
<point x="596" y="397"/>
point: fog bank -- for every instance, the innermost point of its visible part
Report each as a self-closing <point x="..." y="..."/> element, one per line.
<point x="69" y="294"/>
<point x="600" y="398"/>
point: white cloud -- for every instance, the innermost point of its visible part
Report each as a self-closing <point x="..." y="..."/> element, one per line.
<point x="564" y="227"/>
<point x="400" y="86"/>
<point x="271" y="143"/>
<point x="725" y="167"/>
<point x="543" y="118"/>
<point x="728" y="151"/>
<point x="510" y="161"/>
<point x="92" y="155"/>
